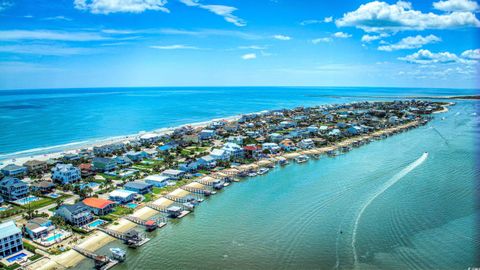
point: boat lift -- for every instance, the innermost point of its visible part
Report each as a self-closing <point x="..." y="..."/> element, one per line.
<point x="101" y="262"/>
<point x="150" y="224"/>
<point x="201" y="191"/>
<point x="131" y="238"/>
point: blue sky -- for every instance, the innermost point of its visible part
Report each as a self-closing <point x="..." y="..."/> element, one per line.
<point x="109" y="43"/>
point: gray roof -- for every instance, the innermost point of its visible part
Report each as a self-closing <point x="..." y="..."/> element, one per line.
<point x="8" y="228"/>
<point x="137" y="185"/>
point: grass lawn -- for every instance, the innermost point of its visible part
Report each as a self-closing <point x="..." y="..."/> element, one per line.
<point x="14" y="210"/>
<point x="149" y="197"/>
<point x="39" y="204"/>
<point x="121" y="211"/>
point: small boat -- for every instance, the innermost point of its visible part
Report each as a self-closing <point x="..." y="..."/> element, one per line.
<point x="301" y="159"/>
<point x="118" y="254"/>
<point x="316" y="156"/>
<point x="263" y="171"/>
<point x="252" y="174"/>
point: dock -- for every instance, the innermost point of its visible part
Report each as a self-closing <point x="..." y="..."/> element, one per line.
<point x="150" y="224"/>
<point x="194" y="190"/>
<point x="131" y="238"/>
<point x="101" y="262"/>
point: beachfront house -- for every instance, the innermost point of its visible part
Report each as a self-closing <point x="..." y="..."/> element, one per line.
<point x="233" y="150"/>
<point x="136" y="156"/>
<point x="354" y="130"/>
<point x="43" y="187"/>
<point x="11" y="240"/>
<point x="101" y="164"/>
<point x="206" y="162"/>
<point x="150" y="138"/>
<point x="71" y="157"/>
<point x="35" y="166"/>
<point x="76" y="214"/>
<point x="219" y="154"/>
<point x="206" y="134"/>
<point x="66" y="174"/>
<point x="38" y="227"/>
<point x="271" y="147"/>
<point x="139" y="187"/>
<point x="123" y="161"/>
<point x="173" y="174"/>
<point x="157" y="180"/>
<point x="188" y="166"/>
<point x="287" y="145"/>
<point x="12" y="189"/>
<point x="252" y="151"/>
<point x="122" y="196"/>
<point x="14" y="170"/>
<point x="86" y="170"/>
<point x="99" y="206"/>
<point x="306" y="144"/>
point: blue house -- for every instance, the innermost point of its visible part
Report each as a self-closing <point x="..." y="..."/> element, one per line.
<point x="14" y="170"/>
<point x="137" y="156"/>
<point x="167" y="147"/>
<point x="354" y="130"/>
<point x="123" y="161"/>
<point x="76" y="214"/>
<point x="12" y="189"/>
<point x="139" y="187"/>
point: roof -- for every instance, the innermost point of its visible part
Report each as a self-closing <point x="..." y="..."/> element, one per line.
<point x="12" y="167"/>
<point x="74" y="207"/>
<point x="157" y="178"/>
<point x="102" y="160"/>
<point x="97" y="202"/>
<point x="122" y="193"/>
<point x="44" y="184"/>
<point x="217" y="152"/>
<point x="34" y="162"/>
<point x="250" y="148"/>
<point x="172" y="171"/>
<point x="137" y="185"/>
<point x="8" y="228"/>
<point x="11" y="181"/>
<point x="174" y="208"/>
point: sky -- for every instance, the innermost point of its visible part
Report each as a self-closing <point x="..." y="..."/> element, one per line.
<point x="130" y="43"/>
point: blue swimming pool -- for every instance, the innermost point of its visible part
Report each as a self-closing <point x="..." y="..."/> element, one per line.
<point x="54" y="195"/>
<point x="90" y="185"/>
<point x="17" y="257"/>
<point x="95" y="223"/>
<point x="132" y="205"/>
<point x="3" y="209"/>
<point x="27" y="200"/>
<point x="54" y="237"/>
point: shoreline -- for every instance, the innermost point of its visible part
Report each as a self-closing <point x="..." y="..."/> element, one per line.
<point x="99" y="239"/>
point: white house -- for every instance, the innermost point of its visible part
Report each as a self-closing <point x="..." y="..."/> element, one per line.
<point x="233" y="150"/>
<point x="206" y="134"/>
<point x="306" y="144"/>
<point x="272" y="147"/>
<point x="122" y="195"/>
<point x="66" y="173"/>
<point x="157" y="180"/>
<point x="173" y="174"/>
<point x="10" y="239"/>
<point x="219" y="154"/>
<point x="312" y="129"/>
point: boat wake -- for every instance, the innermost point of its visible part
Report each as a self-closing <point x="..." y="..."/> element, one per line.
<point x="379" y="192"/>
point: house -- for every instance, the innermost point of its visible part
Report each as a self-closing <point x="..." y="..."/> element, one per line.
<point x="11" y="240"/>
<point x="104" y="164"/>
<point x="14" y="170"/>
<point x="335" y="132"/>
<point x="354" y="130"/>
<point x="393" y="120"/>
<point x="35" y="166"/>
<point x="306" y="144"/>
<point x="139" y="187"/>
<point x="188" y="166"/>
<point x="276" y="137"/>
<point x="206" y="162"/>
<point x="12" y="189"/>
<point x="157" y="180"/>
<point x="43" y="187"/>
<point x="312" y="129"/>
<point x="136" y="156"/>
<point x="319" y="141"/>
<point x="271" y="147"/>
<point x="66" y="174"/>
<point x="71" y="157"/>
<point x="287" y="145"/>
<point x="122" y="195"/>
<point x="206" y="134"/>
<point x="99" y="206"/>
<point x="252" y="151"/>
<point x="219" y="154"/>
<point x="123" y="161"/>
<point x="287" y="124"/>
<point x="233" y="150"/>
<point x="76" y="214"/>
<point x="38" y="227"/>
<point x="149" y="138"/>
<point x="86" y="170"/>
<point x="173" y="174"/>
<point x="167" y="147"/>
<point x="236" y="139"/>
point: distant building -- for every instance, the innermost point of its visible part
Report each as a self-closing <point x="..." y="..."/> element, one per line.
<point x="173" y="174"/>
<point x="99" y="206"/>
<point x="272" y="147"/>
<point x="157" y="180"/>
<point x="306" y="144"/>
<point x="136" y="156"/>
<point x="13" y="189"/>
<point x="43" y="187"/>
<point x="206" y="134"/>
<point x="233" y="150"/>
<point x="66" y="174"/>
<point x="38" y="228"/>
<point x="10" y="239"/>
<point x="123" y="161"/>
<point x="35" y="166"/>
<point x="104" y="164"/>
<point x="122" y="195"/>
<point x="219" y="154"/>
<point x="14" y="170"/>
<point x="76" y="214"/>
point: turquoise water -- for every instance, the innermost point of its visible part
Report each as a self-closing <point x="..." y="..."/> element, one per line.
<point x="132" y="205"/>
<point x="385" y="205"/>
<point x="54" y="237"/>
<point x="42" y="121"/>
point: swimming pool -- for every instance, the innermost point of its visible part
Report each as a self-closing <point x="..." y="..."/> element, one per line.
<point x="132" y="205"/>
<point x="17" y="257"/>
<point x="27" y="200"/>
<point x="95" y="223"/>
<point x="54" y="237"/>
<point x="91" y="185"/>
<point x="53" y="195"/>
<point x="3" y="209"/>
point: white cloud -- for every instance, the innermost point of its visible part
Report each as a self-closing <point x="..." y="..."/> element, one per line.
<point x="325" y="20"/>
<point x="328" y="19"/>
<point x="425" y="57"/>
<point x="456" y="5"/>
<point x="225" y="11"/>
<point x="379" y="16"/>
<point x="370" y="38"/>
<point x="174" y="47"/>
<point x="281" y="37"/>
<point x="471" y="54"/>
<point x="249" y="56"/>
<point x="57" y="18"/>
<point x="49" y="35"/>
<point x="322" y="40"/>
<point x="123" y="6"/>
<point x="413" y="42"/>
<point x="252" y="47"/>
<point x="342" y="35"/>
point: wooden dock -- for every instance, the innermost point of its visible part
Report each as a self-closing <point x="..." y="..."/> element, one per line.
<point x="101" y="262"/>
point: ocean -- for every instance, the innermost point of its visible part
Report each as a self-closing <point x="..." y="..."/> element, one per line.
<point x="407" y="202"/>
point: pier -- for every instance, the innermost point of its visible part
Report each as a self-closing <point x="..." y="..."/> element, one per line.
<point x="204" y="192"/>
<point x="131" y="238"/>
<point x="150" y="225"/>
<point x="101" y="262"/>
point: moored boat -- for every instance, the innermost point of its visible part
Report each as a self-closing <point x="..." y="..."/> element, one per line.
<point x="301" y="159"/>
